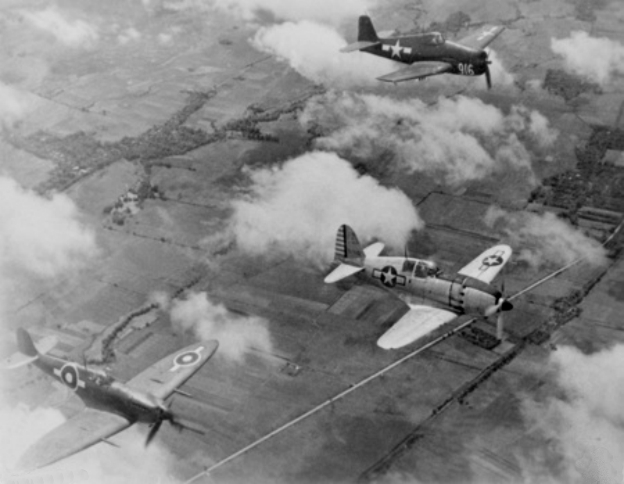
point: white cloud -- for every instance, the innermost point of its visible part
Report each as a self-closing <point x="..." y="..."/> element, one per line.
<point x="327" y="11"/>
<point x="297" y="208"/>
<point x="598" y="59"/>
<point x="237" y="335"/>
<point x="584" y="424"/>
<point x="129" y="35"/>
<point x="14" y="104"/>
<point x="76" y="33"/>
<point x="455" y="140"/>
<point x="313" y="50"/>
<point x="41" y="236"/>
<point x="544" y="239"/>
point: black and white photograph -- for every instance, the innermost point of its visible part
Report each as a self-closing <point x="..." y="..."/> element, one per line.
<point x="312" y="241"/>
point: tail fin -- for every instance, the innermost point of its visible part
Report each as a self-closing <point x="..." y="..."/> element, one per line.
<point x="366" y="31"/>
<point x="348" y="247"/>
<point x="25" y="343"/>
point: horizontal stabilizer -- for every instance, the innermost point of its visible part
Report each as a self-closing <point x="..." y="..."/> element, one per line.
<point x="342" y="271"/>
<point x="359" y="46"/>
<point x="374" y="250"/>
<point x="16" y="360"/>
<point x="417" y="323"/>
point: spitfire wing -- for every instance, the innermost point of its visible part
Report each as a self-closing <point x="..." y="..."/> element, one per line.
<point x="487" y="265"/>
<point x="418" y="70"/>
<point x="162" y="378"/>
<point x="481" y="39"/>
<point x="418" y="322"/>
<point x="79" y="432"/>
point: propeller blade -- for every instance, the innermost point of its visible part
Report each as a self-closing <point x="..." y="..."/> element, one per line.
<point x="153" y="431"/>
<point x="180" y="424"/>
<point x="488" y="77"/>
<point x="499" y="327"/>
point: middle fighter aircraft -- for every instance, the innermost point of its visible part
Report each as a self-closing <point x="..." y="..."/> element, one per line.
<point x="428" y="54"/>
<point x="434" y="298"/>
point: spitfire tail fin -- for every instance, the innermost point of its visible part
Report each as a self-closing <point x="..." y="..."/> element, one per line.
<point x="25" y="343"/>
<point x="366" y="31"/>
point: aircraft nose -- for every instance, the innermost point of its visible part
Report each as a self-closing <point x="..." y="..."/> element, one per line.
<point x="506" y="306"/>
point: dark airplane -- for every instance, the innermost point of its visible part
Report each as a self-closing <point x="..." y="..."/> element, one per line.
<point x="427" y="54"/>
<point x="111" y="406"/>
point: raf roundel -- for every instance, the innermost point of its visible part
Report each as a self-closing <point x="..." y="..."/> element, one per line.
<point x="70" y="377"/>
<point x="188" y="358"/>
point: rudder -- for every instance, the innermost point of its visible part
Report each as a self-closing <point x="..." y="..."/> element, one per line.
<point x="348" y="247"/>
<point x="366" y="31"/>
<point x="25" y="343"/>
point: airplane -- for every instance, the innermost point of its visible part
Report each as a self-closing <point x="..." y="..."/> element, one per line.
<point x="111" y="406"/>
<point x="427" y="54"/>
<point x="434" y="298"/>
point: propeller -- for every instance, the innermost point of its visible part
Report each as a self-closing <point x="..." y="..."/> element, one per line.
<point x="502" y="305"/>
<point x="484" y="55"/>
<point x="166" y="414"/>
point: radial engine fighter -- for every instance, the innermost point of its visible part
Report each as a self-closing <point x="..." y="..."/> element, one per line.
<point x="428" y="54"/>
<point x="111" y="406"/>
<point x="434" y="298"/>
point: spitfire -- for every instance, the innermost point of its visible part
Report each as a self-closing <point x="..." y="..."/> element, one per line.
<point x="434" y="298"/>
<point x="111" y="406"/>
<point x="428" y="54"/>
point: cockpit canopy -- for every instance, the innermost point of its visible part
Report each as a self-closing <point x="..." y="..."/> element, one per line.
<point x="434" y="38"/>
<point x="420" y="268"/>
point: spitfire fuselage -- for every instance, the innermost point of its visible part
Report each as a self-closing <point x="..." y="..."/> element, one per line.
<point x="425" y="284"/>
<point x="431" y="47"/>
<point x="100" y="391"/>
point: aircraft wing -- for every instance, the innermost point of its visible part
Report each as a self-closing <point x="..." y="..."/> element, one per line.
<point x="418" y="70"/>
<point x="480" y="39"/>
<point x="418" y="322"/>
<point x="79" y="432"/>
<point x="162" y="378"/>
<point x="488" y="264"/>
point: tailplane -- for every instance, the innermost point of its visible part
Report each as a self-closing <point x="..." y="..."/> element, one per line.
<point x="348" y="253"/>
<point x="367" y="37"/>
<point x="28" y="352"/>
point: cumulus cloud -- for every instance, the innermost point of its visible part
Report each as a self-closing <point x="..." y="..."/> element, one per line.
<point x="584" y="423"/>
<point x="598" y="59"/>
<point x="455" y="140"/>
<point x="296" y="209"/>
<point x="544" y="239"/>
<point x="313" y="50"/>
<point x="327" y="11"/>
<point x="14" y="105"/>
<point x="237" y="335"/>
<point x="76" y="33"/>
<point x="41" y="236"/>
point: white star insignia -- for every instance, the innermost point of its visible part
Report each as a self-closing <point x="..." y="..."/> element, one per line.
<point x="396" y="49"/>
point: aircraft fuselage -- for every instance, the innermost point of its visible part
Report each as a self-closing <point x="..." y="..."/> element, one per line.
<point x="424" y="284"/>
<point x="430" y="47"/>
<point x="100" y="391"/>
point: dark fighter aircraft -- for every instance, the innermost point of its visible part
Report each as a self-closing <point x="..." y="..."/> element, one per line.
<point x="111" y="406"/>
<point x="427" y="54"/>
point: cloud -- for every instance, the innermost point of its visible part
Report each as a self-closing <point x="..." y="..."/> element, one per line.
<point x="327" y="11"/>
<point x="14" y="105"/>
<point x="296" y="209"/>
<point x="40" y="236"/>
<point x="598" y="59"/>
<point x="583" y="423"/>
<point x="544" y="239"/>
<point x="313" y="50"/>
<point x="77" y="33"/>
<point x="237" y="335"/>
<point x="455" y="140"/>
